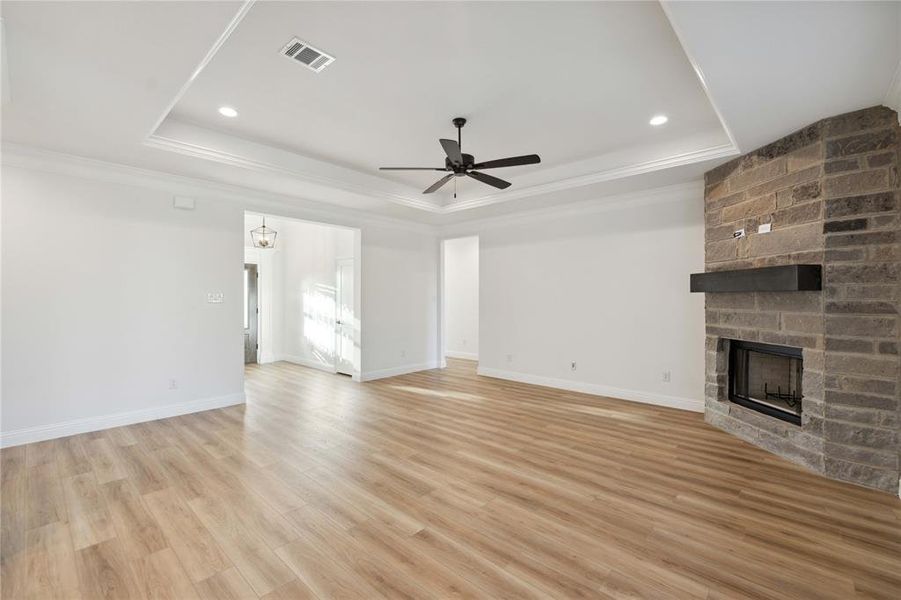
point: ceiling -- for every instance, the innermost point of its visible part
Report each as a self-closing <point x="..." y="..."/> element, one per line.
<point x="139" y="83"/>
<point x="529" y="77"/>
<point x="773" y="67"/>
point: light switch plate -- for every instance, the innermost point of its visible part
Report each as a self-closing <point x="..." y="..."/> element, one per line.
<point x="765" y="228"/>
<point x="215" y="297"/>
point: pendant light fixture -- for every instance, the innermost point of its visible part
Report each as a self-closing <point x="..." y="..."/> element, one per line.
<point x="263" y="237"/>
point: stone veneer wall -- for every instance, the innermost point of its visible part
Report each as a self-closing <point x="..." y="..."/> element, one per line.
<point x="831" y="192"/>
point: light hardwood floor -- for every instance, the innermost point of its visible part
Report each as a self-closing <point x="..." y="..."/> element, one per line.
<point x="438" y="484"/>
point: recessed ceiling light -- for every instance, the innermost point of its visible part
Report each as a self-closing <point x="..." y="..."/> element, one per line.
<point x="657" y="120"/>
<point x="228" y="111"/>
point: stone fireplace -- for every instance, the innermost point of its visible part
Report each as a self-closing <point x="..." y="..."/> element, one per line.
<point x="831" y="194"/>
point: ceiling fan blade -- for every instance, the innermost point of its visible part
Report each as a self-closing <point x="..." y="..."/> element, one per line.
<point x="513" y="161"/>
<point x="490" y="180"/>
<point x="410" y="169"/>
<point x="452" y="149"/>
<point x="438" y="183"/>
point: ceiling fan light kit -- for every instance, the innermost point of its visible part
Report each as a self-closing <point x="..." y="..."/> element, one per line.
<point x="458" y="164"/>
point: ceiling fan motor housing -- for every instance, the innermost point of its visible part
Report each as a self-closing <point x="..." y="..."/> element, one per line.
<point x="468" y="161"/>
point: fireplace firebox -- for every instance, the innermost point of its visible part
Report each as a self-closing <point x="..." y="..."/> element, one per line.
<point x="766" y="378"/>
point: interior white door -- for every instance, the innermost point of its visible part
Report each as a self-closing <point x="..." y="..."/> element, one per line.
<point x="345" y="320"/>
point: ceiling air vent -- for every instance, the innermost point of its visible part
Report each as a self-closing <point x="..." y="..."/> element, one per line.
<point x="307" y="55"/>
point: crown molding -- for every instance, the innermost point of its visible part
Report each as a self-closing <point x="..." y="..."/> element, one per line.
<point x="207" y="153"/>
<point x="893" y="94"/>
<point x="670" y="193"/>
<point x="5" y="92"/>
<point x="260" y="202"/>
<point x="249" y="199"/>
<point x="664" y="4"/>
<point x="686" y="158"/>
<point x="211" y="53"/>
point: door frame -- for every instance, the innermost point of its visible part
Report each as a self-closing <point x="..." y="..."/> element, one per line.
<point x="253" y="320"/>
<point x="339" y="262"/>
<point x="253" y="256"/>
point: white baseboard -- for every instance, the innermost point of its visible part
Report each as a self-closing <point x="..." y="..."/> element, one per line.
<point x="306" y="362"/>
<point x="597" y="389"/>
<point x="402" y="370"/>
<point x="28" y="435"/>
<point x="463" y="355"/>
<point x="267" y="357"/>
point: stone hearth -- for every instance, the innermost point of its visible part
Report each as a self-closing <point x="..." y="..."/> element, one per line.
<point x="831" y="193"/>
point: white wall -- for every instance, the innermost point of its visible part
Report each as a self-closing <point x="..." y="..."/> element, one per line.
<point x="108" y="302"/>
<point x="104" y="295"/>
<point x="461" y="297"/>
<point x="607" y="289"/>
<point x="104" y="300"/>
<point x="400" y="302"/>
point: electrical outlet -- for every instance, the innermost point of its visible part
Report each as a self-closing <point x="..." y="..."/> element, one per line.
<point x="572" y="365"/>
<point x="403" y="354"/>
<point x="739" y="233"/>
<point x="667" y="376"/>
<point x="464" y="341"/>
<point x="173" y="384"/>
<point x="509" y="358"/>
<point x="215" y="297"/>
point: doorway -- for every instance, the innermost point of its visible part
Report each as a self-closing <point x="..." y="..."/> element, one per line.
<point x="251" y="314"/>
<point x="460" y="298"/>
<point x="308" y="295"/>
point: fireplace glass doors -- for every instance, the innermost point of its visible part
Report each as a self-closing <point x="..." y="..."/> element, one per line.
<point x="766" y="378"/>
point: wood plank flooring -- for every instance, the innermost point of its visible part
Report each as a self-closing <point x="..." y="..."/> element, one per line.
<point x="439" y="484"/>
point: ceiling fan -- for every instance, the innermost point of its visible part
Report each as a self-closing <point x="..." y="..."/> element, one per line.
<point x="459" y="165"/>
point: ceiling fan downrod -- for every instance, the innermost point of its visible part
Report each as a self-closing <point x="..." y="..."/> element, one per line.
<point x="459" y="122"/>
